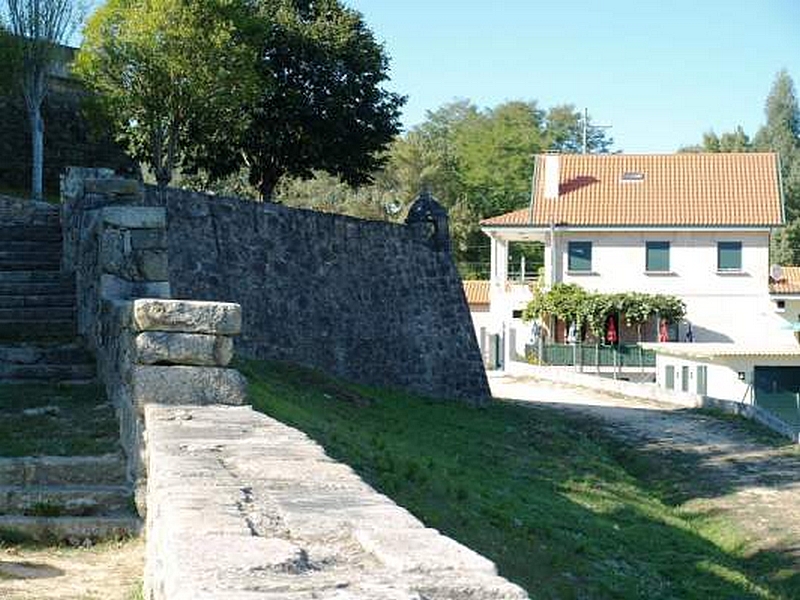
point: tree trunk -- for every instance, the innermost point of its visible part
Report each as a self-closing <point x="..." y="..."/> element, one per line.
<point x="37" y="147"/>
<point x="268" y="181"/>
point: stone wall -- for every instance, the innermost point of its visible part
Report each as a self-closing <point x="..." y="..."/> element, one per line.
<point x="372" y="302"/>
<point x="149" y="348"/>
<point x="69" y="137"/>
<point x="237" y="504"/>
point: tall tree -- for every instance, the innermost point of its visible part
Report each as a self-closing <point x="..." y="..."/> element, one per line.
<point x="781" y="134"/>
<point x="40" y="27"/>
<point x="170" y="75"/>
<point x="321" y="104"/>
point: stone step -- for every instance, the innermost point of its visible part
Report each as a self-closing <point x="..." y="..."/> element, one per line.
<point x="26" y="314"/>
<point x="108" y="469"/>
<point x="73" y="530"/>
<point x="46" y="373"/>
<point x="42" y="331"/>
<point x="16" y="276"/>
<point x="55" y="287"/>
<point x="35" y="254"/>
<point x="31" y="265"/>
<point x="65" y="501"/>
<point x="37" y="300"/>
<point x="47" y="247"/>
<point x="54" y="354"/>
<point x="49" y="233"/>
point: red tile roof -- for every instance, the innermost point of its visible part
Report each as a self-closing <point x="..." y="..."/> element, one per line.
<point x="691" y="190"/>
<point x="788" y="284"/>
<point x="477" y="292"/>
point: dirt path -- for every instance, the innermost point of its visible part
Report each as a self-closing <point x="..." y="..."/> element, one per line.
<point x="107" y="572"/>
<point x="723" y="466"/>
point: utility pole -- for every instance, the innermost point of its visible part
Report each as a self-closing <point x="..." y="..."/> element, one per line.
<point x="586" y="128"/>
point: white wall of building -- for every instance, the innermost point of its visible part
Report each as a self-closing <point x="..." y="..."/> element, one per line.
<point x="722" y="307"/>
<point x="729" y="378"/>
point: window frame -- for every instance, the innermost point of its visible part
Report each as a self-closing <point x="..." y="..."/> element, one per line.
<point x="571" y="268"/>
<point x="728" y="245"/>
<point x="657" y="245"/>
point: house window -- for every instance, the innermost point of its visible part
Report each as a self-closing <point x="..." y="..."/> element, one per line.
<point x="580" y="256"/>
<point x="729" y="256"/>
<point x="702" y="380"/>
<point x="684" y="379"/>
<point x="669" y="377"/>
<point x="657" y="257"/>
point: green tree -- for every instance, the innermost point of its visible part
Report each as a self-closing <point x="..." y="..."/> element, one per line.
<point x="320" y="104"/>
<point x="495" y="154"/>
<point x="563" y="129"/>
<point x="169" y="74"/>
<point x="40" y="28"/>
<point x="781" y="134"/>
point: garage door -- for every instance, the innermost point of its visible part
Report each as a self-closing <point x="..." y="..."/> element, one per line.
<point x="777" y="389"/>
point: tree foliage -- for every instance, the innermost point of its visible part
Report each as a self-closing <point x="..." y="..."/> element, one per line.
<point x="168" y="73"/>
<point x="272" y="87"/>
<point x="573" y="304"/>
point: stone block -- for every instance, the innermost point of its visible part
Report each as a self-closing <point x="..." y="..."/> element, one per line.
<point x="187" y="316"/>
<point x="159" y="347"/>
<point x="116" y="288"/>
<point x="148" y="239"/>
<point x="151" y="265"/>
<point x="420" y="549"/>
<point x="188" y="385"/>
<point x="114" y="186"/>
<point x="135" y="217"/>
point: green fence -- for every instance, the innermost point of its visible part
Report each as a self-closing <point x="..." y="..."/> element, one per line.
<point x="624" y="355"/>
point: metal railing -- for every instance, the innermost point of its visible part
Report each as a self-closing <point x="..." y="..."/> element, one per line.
<point x="624" y="355"/>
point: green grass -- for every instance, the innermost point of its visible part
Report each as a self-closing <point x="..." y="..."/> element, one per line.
<point x="80" y="424"/>
<point x="551" y="498"/>
<point x="53" y="197"/>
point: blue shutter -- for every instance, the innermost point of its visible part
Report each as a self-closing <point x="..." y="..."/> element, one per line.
<point x="729" y="256"/>
<point x="580" y="256"/>
<point x="657" y="256"/>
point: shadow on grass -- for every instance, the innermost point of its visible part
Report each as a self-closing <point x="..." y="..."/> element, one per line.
<point x="56" y="420"/>
<point x="542" y="494"/>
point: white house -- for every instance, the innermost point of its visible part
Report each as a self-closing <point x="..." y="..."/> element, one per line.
<point x="696" y="226"/>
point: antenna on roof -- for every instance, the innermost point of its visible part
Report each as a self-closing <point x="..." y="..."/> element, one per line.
<point x="587" y="127"/>
<point x="776" y="273"/>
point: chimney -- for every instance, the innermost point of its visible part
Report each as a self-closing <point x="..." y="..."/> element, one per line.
<point x="552" y="176"/>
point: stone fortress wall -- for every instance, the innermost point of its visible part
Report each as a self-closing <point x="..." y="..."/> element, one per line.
<point x="372" y="302"/>
<point x="238" y="505"/>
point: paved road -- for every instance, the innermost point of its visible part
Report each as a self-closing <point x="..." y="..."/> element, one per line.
<point x="728" y="468"/>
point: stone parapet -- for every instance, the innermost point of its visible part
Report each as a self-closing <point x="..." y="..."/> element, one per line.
<point x="149" y="347"/>
<point x="243" y="506"/>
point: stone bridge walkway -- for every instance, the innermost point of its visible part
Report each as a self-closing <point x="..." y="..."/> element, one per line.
<point x="724" y="467"/>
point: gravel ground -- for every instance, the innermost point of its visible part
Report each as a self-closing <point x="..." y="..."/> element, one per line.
<point x="111" y="571"/>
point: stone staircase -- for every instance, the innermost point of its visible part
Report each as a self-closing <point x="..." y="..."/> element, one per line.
<point x="37" y="310"/>
<point x="50" y="498"/>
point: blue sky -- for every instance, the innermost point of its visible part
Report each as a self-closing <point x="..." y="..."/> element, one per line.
<point x="660" y="72"/>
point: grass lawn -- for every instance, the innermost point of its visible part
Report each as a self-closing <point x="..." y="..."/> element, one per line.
<point x="550" y="497"/>
<point x="56" y="420"/>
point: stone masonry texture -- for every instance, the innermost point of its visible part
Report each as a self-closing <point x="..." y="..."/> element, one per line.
<point x="367" y="301"/>
<point x="243" y="507"/>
